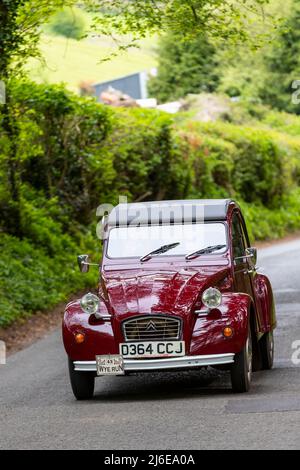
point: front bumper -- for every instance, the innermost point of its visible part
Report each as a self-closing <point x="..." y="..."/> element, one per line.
<point x="144" y="365"/>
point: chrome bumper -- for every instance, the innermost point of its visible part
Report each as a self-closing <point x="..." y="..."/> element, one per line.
<point x="143" y="365"/>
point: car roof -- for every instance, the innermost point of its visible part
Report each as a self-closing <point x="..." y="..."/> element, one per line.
<point x="174" y="211"/>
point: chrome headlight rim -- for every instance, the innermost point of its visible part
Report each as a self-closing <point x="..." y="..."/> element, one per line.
<point x="90" y="303"/>
<point x="212" y="297"/>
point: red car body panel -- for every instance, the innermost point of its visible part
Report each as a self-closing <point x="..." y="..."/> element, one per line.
<point x="265" y="301"/>
<point x="202" y="335"/>
<point x="172" y="285"/>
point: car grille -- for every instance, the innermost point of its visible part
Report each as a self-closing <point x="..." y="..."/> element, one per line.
<point x="152" y="328"/>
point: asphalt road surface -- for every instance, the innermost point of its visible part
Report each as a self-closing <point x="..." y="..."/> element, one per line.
<point x="167" y="411"/>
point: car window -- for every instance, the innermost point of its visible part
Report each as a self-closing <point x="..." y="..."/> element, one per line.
<point x="238" y="239"/>
<point x="129" y="242"/>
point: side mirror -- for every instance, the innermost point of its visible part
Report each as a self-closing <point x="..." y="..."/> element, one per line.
<point x="83" y="263"/>
<point x="252" y="253"/>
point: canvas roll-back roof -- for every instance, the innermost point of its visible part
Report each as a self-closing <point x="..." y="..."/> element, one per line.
<point x="166" y="212"/>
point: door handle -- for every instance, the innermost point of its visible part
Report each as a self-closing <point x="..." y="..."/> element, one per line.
<point x="248" y="271"/>
<point x="251" y="270"/>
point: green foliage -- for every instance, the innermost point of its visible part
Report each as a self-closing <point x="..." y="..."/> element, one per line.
<point x="254" y="159"/>
<point x="257" y="160"/>
<point x="283" y="65"/>
<point x="20" y="24"/>
<point x="269" y="75"/>
<point x="222" y="20"/>
<point x="243" y="73"/>
<point x="31" y="280"/>
<point x="57" y="137"/>
<point x="68" y="22"/>
<point x="184" y="67"/>
<point x="264" y="224"/>
<point x="143" y="155"/>
<point x="72" y="154"/>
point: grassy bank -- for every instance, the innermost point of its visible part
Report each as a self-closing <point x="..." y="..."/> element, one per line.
<point x="72" y="62"/>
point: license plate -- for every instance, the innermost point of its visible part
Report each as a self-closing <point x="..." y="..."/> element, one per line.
<point x="152" y="349"/>
<point x="110" y="365"/>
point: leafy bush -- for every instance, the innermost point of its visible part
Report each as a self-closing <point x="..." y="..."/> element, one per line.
<point x="144" y="155"/>
<point x="58" y="139"/>
<point x="31" y="280"/>
<point x="68" y="22"/>
<point x="185" y="66"/>
<point x="257" y="163"/>
<point x="265" y="224"/>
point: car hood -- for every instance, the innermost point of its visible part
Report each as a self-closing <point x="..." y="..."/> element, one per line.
<point x="140" y="291"/>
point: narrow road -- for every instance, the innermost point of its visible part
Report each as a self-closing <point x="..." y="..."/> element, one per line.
<point x="166" y="411"/>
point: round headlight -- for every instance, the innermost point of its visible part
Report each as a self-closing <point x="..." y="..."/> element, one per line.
<point x="90" y="303"/>
<point x="212" y="298"/>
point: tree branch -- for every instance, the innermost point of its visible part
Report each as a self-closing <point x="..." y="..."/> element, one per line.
<point x="195" y="13"/>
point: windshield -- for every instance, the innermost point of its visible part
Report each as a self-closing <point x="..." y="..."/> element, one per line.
<point x="136" y="242"/>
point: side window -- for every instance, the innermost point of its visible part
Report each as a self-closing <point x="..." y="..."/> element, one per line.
<point x="238" y="241"/>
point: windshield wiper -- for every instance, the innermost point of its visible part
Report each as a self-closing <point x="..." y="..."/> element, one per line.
<point x="204" y="251"/>
<point x="160" y="250"/>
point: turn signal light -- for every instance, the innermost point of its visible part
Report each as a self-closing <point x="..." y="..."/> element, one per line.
<point x="228" y="332"/>
<point x="79" y="338"/>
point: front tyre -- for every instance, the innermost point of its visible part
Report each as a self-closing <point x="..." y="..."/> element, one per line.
<point x="241" y="370"/>
<point x="83" y="383"/>
<point x="267" y="350"/>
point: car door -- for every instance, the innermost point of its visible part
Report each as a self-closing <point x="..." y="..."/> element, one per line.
<point x="244" y="269"/>
<point x="241" y="266"/>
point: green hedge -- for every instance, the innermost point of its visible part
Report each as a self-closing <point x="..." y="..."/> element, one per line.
<point x="257" y="165"/>
<point x="69" y="155"/>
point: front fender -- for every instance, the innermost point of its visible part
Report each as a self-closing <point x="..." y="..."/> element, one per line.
<point x="99" y="335"/>
<point x="208" y="337"/>
<point x="266" y="303"/>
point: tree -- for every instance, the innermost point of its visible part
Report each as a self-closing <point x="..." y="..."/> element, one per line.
<point x="283" y="65"/>
<point x="69" y="22"/>
<point x="20" y="22"/>
<point x="188" y="18"/>
<point x="184" y="67"/>
<point x="20" y="28"/>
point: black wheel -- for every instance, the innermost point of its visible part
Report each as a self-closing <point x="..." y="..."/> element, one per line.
<point x="82" y="383"/>
<point x="267" y="350"/>
<point x="241" y="370"/>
